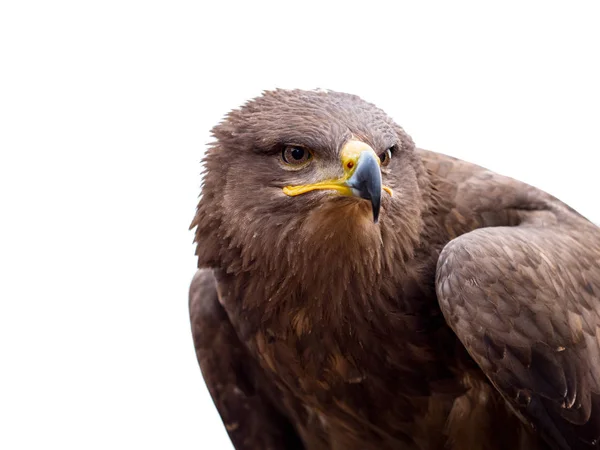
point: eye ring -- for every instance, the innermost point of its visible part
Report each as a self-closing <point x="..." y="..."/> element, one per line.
<point x="295" y="156"/>
<point x="386" y="156"/>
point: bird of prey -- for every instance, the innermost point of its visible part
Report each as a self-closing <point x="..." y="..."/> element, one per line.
<point x="357" y="292"/>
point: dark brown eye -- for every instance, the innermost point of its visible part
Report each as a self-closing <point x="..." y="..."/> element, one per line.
<point x="386" y="157"/>
<point x="294" y="155"/>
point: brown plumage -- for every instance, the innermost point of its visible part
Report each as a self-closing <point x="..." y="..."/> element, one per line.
<point x="467" y="317"/>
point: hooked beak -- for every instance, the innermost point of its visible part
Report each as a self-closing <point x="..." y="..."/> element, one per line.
<point x="362" y="177"/>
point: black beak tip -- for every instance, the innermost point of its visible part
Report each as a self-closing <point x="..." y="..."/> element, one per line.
<point x="375" y="206"/>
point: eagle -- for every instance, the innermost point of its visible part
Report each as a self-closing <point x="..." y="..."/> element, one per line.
<point x="357" y="292"/>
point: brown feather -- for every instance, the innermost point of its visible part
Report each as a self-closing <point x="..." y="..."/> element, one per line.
<point x="329" y="325"/>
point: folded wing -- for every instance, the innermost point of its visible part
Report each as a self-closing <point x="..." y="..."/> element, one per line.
<point x="525" y="302"/>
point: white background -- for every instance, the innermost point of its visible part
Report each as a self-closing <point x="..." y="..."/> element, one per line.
<point x="105" y="109"/>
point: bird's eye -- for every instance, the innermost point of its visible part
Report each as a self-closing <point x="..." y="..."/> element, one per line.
<point x="293" y="155"/>
<point x="386" y="157"/>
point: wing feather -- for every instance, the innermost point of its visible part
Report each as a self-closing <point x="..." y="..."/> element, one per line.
<point x="231" y="375"/>
<point x="525" y="302"/>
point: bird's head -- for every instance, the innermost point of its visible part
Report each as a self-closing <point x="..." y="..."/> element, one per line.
<point x="298" y="175"/>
